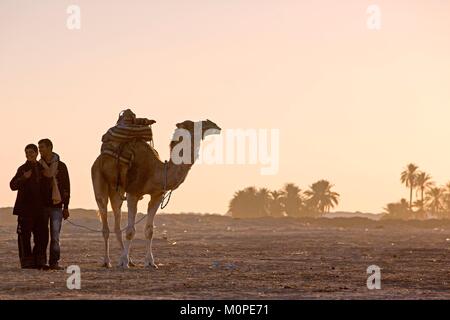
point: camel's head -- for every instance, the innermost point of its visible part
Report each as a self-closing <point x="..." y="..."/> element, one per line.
<point x="210" y="128"/>
<point x="197" y="132"/>
<point x="207" y="126"/>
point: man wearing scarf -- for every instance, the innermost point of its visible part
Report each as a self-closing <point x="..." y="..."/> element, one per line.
<point x="56" y="194"/>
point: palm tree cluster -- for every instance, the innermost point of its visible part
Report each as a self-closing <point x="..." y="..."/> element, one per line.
<point x="289" y="201"/>
<point x="431" y="200"/>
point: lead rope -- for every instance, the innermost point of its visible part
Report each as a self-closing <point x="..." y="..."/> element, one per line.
<point x="101" y="231"/>
<point x="166" y="195"/>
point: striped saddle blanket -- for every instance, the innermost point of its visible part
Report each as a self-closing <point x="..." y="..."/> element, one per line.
<point x="115" y="141"/>
<point x="128" y="133"/>
<point x="118" y="151"/>
<point x="124" y="152"/>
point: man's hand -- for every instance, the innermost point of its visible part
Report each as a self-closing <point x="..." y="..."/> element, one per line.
<point x="66" y="214"/>
<point x="27" y="174"/>
<point x="47" y="173"/>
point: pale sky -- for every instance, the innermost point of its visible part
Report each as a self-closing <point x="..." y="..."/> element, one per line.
<point x="353" y="106"/>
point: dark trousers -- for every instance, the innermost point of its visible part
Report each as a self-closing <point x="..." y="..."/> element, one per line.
<point x="36" y="226"/>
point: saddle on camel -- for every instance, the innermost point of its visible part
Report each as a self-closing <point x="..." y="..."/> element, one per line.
<point x="117" y="142"/>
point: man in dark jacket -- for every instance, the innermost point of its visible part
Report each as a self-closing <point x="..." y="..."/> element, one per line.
<point x="29" y="209"/>
<point x="56" y="196"/>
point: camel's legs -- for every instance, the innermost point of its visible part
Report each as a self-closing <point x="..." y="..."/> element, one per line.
<point x="116" y="204"/>
<point x="130" y="231"/>
<point x="151" y="212"/>
<point x="101" y="197"/>
<point x="104" y="217"/>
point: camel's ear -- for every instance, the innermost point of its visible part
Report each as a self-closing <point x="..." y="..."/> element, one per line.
<point x="188" y="125"/>
<point x="183" y="125"/>
<point x="212" y="124"/>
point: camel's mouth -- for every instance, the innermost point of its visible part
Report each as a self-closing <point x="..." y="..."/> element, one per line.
<point x="212" y="127"/>
<point x="210" y="132"/>
<point x="215" y="130"/>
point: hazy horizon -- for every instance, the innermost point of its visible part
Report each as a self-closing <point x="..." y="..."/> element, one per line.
<point x="353" y="106"/>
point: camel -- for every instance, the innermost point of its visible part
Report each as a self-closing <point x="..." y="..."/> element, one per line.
<point x="148" y="175"/>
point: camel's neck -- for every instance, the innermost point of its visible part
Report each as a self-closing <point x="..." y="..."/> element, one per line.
<point x="181" y="161"/>
<point x="176" y="174"/>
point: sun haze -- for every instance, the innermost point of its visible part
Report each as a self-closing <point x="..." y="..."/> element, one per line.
<point x="352" y="105"/>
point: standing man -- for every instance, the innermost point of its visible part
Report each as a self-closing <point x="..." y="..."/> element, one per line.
<point x="56" y="189"/>
<point x="29" y="209"/>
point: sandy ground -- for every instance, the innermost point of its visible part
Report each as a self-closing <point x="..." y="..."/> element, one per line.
<point x="213" y="257"/>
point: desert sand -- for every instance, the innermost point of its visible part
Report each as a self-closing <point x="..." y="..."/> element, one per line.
<point x="217" y="257"/>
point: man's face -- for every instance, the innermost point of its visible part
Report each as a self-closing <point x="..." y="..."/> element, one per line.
<point x="31" y="155"/>
<point x="44" y="150"/>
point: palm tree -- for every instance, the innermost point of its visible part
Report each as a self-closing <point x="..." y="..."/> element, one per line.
<point x="276" y="205"/>
<point x="423" y="182"/>
<point x="408" y="177"/>
<point x="397" y="210"/>
<point x="321" y="197"/>
<point x="292" y="200"/>
<point x="447" y="197"/>
<point x="263" y="199"/>
<point x="243" y="204"/>
<point x="419" y="205"/>
<point x="434" y="198"/>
